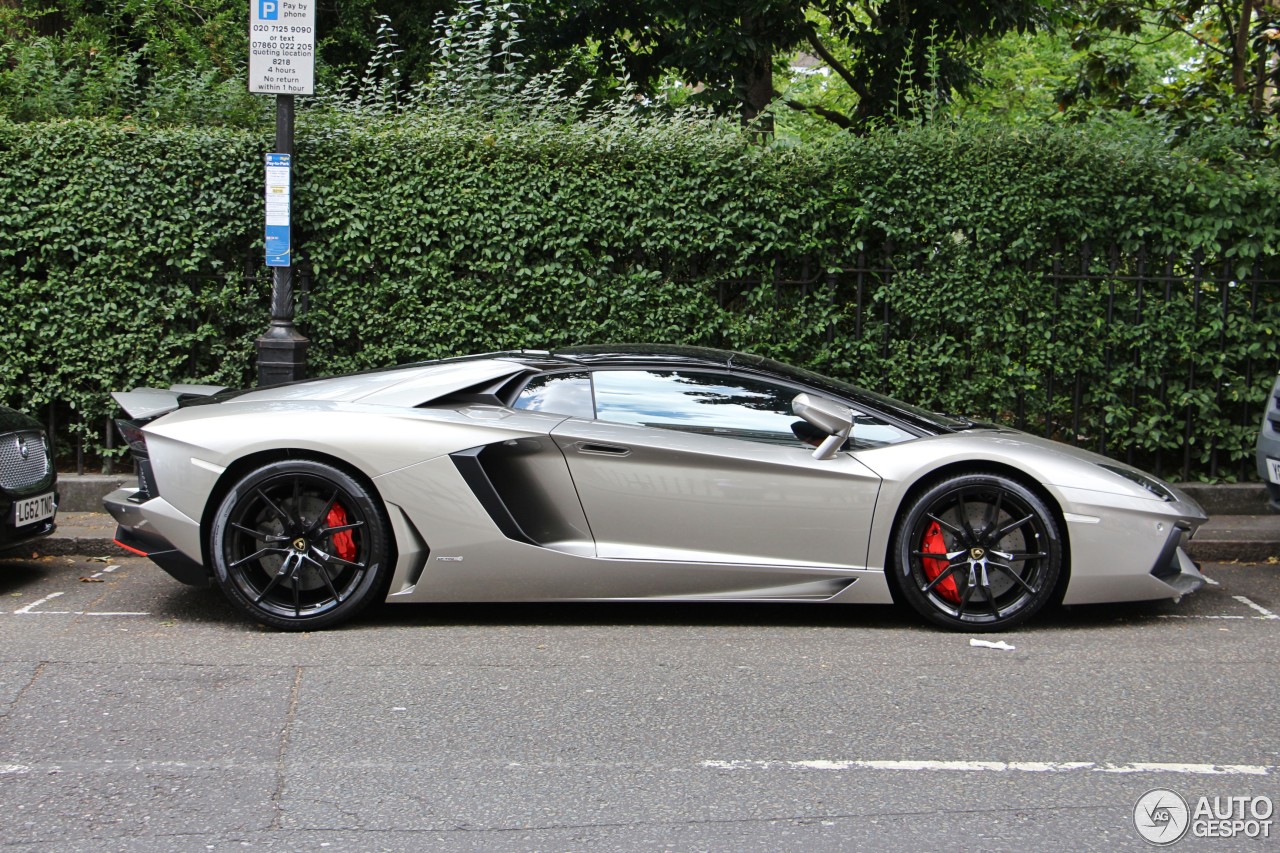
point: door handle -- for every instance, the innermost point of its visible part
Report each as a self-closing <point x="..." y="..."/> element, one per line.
<point x="595" y="448"/>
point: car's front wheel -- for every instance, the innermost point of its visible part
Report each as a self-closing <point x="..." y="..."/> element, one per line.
<point x="977" y="552"/>
<point x="300" y="545"/>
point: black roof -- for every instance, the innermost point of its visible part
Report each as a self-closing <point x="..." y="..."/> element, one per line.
<point x="671" y="356"/>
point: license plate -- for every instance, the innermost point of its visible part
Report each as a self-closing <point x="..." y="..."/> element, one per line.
<point x="31" y="510"/>
<point x="1273" y="470"/>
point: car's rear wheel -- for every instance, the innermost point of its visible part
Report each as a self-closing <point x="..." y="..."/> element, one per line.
<point x="977" y="552"/>
<point x="300" y="545"/>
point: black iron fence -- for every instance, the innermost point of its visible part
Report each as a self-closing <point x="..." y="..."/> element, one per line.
<point x="1162" y="361"/>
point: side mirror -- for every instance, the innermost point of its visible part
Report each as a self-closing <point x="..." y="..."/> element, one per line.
<point x="832" y="418"/>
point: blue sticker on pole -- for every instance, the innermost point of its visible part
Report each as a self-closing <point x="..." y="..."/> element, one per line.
<point x="278" y="203"/>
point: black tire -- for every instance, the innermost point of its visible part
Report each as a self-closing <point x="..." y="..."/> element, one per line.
<point x="977" y="552"/>
<point x="300" y="545"/>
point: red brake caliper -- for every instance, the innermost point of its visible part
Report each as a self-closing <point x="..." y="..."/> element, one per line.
<point x="933" y="543"/>
<point x="343" y="542"/>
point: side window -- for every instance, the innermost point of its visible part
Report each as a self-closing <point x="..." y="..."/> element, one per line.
<point x="559" y="394"/>
<point x="692" y="401"/>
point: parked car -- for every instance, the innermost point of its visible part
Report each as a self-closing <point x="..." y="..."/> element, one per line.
<point x="629" y="473"/>
<point x="1269" y="446"/>
<point x="28" y="481"/>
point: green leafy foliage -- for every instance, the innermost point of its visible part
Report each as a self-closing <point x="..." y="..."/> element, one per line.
<point x="123" y="253"/>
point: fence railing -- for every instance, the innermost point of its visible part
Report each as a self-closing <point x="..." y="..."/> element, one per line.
<point x="1131" y="346"/>
<point x="1163" y="361"/>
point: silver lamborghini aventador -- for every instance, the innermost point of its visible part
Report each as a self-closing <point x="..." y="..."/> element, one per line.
<point x="625" y="473"/>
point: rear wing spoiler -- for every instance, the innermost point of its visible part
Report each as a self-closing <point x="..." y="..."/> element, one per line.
<point x="148" y="403"/>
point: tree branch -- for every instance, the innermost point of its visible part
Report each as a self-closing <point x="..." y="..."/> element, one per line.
<point x="811" y="36"/>
<point x="833" y="116"/>
<point x="1240" y="56"/>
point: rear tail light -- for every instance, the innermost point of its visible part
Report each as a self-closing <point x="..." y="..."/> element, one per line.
<point x="133" y="436"/>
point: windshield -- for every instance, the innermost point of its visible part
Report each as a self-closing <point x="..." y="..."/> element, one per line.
<point x="853" y="393"/>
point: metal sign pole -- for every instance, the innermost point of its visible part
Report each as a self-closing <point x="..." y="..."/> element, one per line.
<point x="281" y="61"/>
<point x="282" y="350"/>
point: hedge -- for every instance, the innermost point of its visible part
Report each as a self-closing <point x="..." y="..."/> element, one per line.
<point x="132" y="257"/>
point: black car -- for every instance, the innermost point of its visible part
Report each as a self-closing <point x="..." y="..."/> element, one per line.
<point x="28" y="481"/>
<point x="1269" y="446"/>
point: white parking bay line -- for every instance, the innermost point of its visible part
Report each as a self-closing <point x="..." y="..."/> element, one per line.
<point x="1266" y="614"/>
<point x="30" y="609"/>
<point x="929" y="766"/>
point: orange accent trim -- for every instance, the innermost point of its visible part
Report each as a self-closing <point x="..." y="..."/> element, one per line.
<point x="131" y="549"/>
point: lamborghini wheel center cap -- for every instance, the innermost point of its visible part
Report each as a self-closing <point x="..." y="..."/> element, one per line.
<point x="977" y="553"/>
<point x="300" y="544"/>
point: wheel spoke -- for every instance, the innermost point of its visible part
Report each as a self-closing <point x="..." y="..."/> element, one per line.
<point x="297" y="595"/>
<point x="945" y="525"/>
<point x="964" y="599"/>
<point x="1016" y="577"/>
<point x="341" y="527"/>
<point x="993" y="514"/>
<point x="989" y="593"/>
<point x="324" y="513"/>
<point x="331" y="558"/>
<point x="285" y="518"/>
<point x="275" y="579"/>
<point x="328" y="581"/>
<point x="258" y="534"/>
<point x="945" y="573"/>
<point x="1006" y="530"/>
<point x="963" y="510"/>
<point x="255" y="555"/>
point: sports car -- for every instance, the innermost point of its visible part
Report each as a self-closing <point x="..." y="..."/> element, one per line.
<point x="626" y="473"/>
<point x="28" y="481"/>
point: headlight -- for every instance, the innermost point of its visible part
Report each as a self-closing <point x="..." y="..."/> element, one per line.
<point x="1149" y="483"/>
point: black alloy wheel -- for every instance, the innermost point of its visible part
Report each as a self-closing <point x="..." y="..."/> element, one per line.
<point x="301" y="545"/>
<point x="978" y="552"/>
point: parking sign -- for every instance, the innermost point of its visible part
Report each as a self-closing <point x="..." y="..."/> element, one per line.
<point x="282" y="42"/>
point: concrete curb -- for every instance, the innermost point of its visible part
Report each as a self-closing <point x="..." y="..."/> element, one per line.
<point x="1229" y="498"/>
<point x="60" y="546"/>
<point x="84" y="492"/>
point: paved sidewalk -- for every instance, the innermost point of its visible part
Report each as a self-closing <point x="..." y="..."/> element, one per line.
<point x="1223" y="539"/>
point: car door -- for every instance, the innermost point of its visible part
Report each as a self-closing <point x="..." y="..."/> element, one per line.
<point x="704" y="467"/>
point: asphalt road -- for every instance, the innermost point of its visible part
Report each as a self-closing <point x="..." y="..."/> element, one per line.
<point x="138" y="714"/>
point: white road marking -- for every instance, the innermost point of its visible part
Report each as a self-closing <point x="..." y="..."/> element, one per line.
<point x="31" y="608"/>
<point x="1196" y="616"/>
<point x="12" y="769"/>
<point x="1210" y="580"/>
<point x="1192" y="769"/>
<point x="1001" y="767"/>
<point x="1266" y="614"/>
